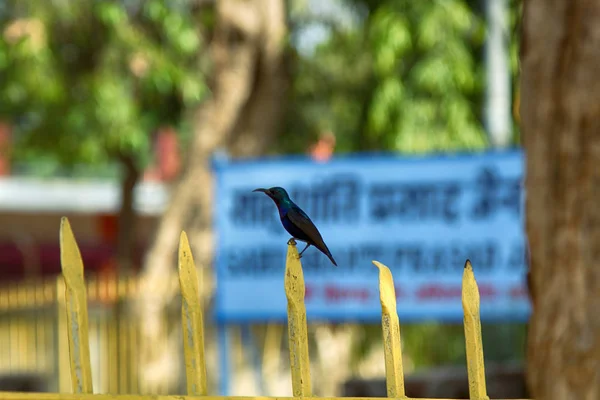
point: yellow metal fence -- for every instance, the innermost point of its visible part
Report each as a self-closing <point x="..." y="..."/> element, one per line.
<point x="28" y="331"/>
<point x="33" y="340"/>
<point x="75" y="336"/>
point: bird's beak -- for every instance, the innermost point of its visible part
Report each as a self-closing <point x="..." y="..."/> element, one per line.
<point x="261" y="190"/>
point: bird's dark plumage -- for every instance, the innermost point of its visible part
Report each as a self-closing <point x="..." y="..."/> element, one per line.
<point x="296" y="222"/>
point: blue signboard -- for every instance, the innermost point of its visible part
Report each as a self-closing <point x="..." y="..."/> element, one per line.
<point x="422" y="217"/>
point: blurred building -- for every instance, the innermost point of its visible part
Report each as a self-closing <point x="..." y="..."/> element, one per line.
<point x="31" y="208"/>
<point x="33" y="352"/>
<point x="30" y="213"/>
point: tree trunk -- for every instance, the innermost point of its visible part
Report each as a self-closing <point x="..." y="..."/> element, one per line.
<point x="244" y="29"/>
<point x="560" y="109"/>
<point x="263" y="112"/>
<point x="127" y="216"/>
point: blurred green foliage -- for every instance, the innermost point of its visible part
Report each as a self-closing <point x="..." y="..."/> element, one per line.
<point x="433" y="344"/>
<point x="85" y="82"/>
<point x="404" y="76"/>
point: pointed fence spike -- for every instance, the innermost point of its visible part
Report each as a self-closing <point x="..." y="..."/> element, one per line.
<point x="390" y="324"/>
<point x="76" y="308"/>
<point x="297" y="329"/>
<point x="473" y="341"/>
<point x="192" y="320"/>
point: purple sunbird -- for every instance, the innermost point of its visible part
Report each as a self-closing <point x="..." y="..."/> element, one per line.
<point x="296" y="222"/>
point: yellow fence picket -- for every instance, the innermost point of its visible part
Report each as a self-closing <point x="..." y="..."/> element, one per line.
<point x="297" y="330"/>
<point x="76" y="304"/>
<point x="390" y="324"/>
<point x="192" y="321"/>
<point x="472" y="322"/>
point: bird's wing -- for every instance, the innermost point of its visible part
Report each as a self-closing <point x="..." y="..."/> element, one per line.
<point x="299" y="218"/>
<point x="303" y="222"/>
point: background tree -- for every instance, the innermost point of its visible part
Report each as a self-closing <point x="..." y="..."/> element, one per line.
<point x="561" y="132"/>
<point x="91" y="82"/>
<point x="393" y="75"/>
<point x="242" y="115"/>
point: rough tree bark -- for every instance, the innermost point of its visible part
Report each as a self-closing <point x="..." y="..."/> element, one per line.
<point x="243" y="112"/>
<point x="560" y="113"/>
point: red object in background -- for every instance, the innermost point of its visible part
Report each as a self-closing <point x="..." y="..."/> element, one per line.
<point x="108" y="228"/>
<point x="167" y="160"/>
<point x="308" y="292"/>
<point x="167" y="148"/>
<point x="323" y="149"/>
<point x="96" y="257"/>
<point x="5" y="148"/>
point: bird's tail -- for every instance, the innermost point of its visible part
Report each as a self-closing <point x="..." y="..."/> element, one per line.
<point x="325" y="250"/>
<point x="328" y="254"/>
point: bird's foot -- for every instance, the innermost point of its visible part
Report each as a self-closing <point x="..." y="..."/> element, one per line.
<point x="303" y="250"/>
<point x="291" y="241"/>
